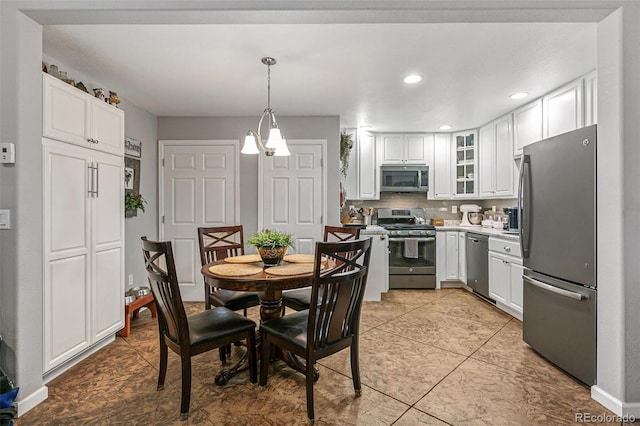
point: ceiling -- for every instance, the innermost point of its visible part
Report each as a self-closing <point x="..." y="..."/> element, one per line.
<point x="354" y="71"/>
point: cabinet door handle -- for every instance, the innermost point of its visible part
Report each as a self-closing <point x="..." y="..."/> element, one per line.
<point x="90" y="170"/>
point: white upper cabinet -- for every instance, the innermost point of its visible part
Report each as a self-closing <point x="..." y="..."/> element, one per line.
<point x="496" y="163"/>
<point x="563" y="109"/>
<point x="403" y="148"/>
<point x="591" y="98"/>
<point x="442" y="166"/>
<point x="70" y="115"/>
<point x="465" y="164"/>
<point x="368" y="170"/>
<point x="527" y="125"/>
<point x="362" y="178"/>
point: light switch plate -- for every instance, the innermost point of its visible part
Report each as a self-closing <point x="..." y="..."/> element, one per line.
<point x="5" y="219"/>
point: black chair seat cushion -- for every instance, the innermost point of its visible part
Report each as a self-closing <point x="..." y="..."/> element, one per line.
<point x="291" y="328"/>
<point x="234" y="300"/>
<point x="217" y="323"/>
<point x="298" y="299"/>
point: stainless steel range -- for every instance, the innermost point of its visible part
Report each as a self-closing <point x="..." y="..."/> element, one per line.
<point x="412" y="248"/>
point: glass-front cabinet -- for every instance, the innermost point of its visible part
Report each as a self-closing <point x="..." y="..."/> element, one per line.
<point x="466" y="164"/>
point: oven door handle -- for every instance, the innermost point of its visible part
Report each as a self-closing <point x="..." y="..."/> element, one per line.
<point x="420" y="240"/>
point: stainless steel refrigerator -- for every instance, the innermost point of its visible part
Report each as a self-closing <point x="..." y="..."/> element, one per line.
<point x="557" y="208"/>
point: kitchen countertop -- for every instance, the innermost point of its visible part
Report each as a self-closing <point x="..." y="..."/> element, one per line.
<point x="373" y="230"/>
<point x="498" y="233"/>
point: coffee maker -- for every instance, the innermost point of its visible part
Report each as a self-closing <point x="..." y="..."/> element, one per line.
<point x="512" y="214"/>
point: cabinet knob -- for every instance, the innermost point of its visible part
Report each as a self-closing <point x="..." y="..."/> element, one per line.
<point x="382" y="237"/>
<point x="507" y="248"/>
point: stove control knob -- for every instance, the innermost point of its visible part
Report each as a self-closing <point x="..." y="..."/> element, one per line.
<point x="423" y="232"/>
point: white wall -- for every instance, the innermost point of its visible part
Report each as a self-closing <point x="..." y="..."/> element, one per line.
<point x="21" y="191"/>
<point x="143" y="126"/>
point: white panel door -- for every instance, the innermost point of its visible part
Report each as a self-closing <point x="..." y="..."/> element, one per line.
<point x="515" y="272"/>
<point x="66" y="251"/>
<point x="452" y="255"/>
<point x="108" y="245"/>
<point x="199" y="188"/>
<point x="293" y="193"/>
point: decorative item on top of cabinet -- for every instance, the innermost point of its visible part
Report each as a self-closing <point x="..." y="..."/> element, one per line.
<point x="465" y="147"/>
<point x="496" y="164"/>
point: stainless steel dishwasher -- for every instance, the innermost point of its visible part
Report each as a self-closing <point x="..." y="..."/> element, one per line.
<point x="478" y="264"/>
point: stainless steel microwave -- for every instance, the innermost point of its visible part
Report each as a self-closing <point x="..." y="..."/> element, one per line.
<point x="409" y="178"/>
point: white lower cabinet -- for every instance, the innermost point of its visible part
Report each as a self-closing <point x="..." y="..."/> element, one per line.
<point x="83" y="249"/>
<point x="378" y="278"/>
<point x="451" y="262"/>
<point x="505" y="276"/>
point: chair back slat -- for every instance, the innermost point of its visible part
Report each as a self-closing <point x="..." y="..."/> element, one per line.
<point x="337" y="292"/>
<point x="340" y="233"/>
<point x="161" y="273"/>
<point x="219" y="242"/>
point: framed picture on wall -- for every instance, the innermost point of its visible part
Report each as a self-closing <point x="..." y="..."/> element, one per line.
<point x="132" y="175"/>
<point x="132" y="147"/>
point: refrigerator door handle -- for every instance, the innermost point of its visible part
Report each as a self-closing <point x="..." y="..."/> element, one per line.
<point x="556" y="290"/>
<point x="522" y="204"/>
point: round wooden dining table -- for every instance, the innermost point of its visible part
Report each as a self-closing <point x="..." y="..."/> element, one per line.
<point x="269" y="288"/>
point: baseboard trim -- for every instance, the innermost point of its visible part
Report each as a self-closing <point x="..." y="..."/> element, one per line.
<point x="626" y="410"/>
<point x="25" y="404"/>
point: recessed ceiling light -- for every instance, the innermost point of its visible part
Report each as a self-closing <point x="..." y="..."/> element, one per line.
<point x="445" y="127"/>
<point x="519" y="95"/>
<point x="412" y="78"/>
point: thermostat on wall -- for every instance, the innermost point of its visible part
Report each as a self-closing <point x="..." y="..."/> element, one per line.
<point x="7" y="153"/>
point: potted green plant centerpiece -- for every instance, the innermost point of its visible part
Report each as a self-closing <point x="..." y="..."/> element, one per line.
<point x="272" y="245"/>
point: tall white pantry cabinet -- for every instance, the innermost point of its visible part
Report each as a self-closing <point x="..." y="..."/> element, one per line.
<point x="83" y="201"/>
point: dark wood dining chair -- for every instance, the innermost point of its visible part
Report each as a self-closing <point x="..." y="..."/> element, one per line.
<point x="299" y="299"/>
<point x="216" y="243"/>
<point x="194" y="334"/>
<point x="313" y="334"/>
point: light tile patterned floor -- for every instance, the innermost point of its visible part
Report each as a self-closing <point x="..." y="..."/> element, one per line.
<point x="428" y="357"/>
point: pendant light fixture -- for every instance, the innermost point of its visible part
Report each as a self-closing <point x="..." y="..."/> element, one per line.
<point x="276" y="144"/>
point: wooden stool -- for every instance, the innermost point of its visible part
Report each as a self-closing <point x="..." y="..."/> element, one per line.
<point x="133" y="308"/>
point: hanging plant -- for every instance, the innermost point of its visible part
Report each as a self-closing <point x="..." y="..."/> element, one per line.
<point x="133" y="202"/>
<point x="346" y="143"/>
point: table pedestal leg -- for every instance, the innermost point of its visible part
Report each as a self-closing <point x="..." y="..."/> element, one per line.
<point x="270" y="308"/>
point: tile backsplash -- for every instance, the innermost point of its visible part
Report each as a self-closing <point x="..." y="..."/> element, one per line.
<point x="440" y="209"/>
